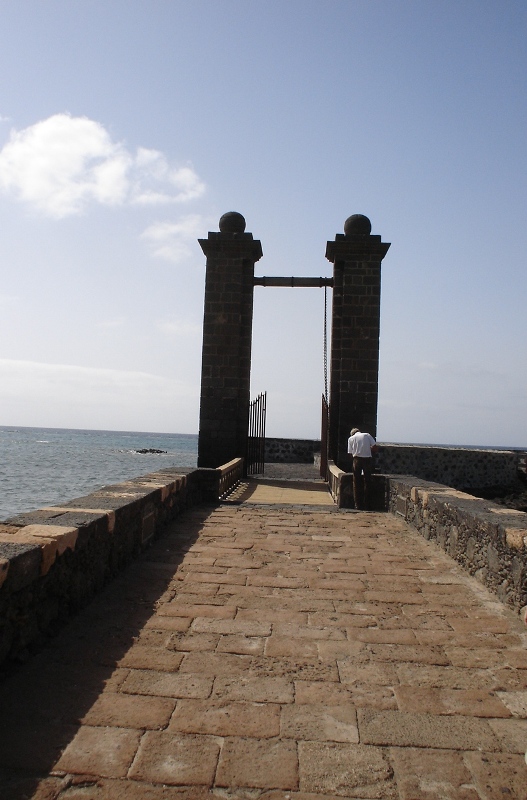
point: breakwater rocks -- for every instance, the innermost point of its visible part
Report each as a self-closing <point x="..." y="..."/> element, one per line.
<point x="153" y="450"/>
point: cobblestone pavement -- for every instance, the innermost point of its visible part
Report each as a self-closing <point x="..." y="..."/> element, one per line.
<point x="276" y="653"/>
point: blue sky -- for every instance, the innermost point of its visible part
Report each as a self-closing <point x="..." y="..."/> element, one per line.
<point x="127" y="128"/>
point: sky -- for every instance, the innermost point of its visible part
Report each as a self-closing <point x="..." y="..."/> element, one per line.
<point x="127" y="128"/>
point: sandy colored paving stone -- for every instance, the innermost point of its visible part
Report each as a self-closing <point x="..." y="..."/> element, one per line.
<point x="176" y="759"/>
<point x="275" y="616"/>
<point x="180" y="610"/>
<point x="315" y="692"/>
<point x="83" y="787"/>
<point x="100" y="751"/>
<point x="385" y="636"/>
<point x="464" y="702"/>
<point x="378" y="674"/>
<point x="286" y="629"/>
<point x="511" y="733"/>
<point x="482" y="624"/>
<point x="164" y="684"/>
<point x="403" y="598"/>
<point x="345" y="770"/>
<point x="330" y="651"/>
<point x="240" y="626"/>
<point x="432" y="775"/>
<point x="401" y="619"/>
<point x="160" y="623"/>
<point x="429" y="675"/>
<point x="318" y="722"/>
<point x="129" y="711"/>
<point x="224" y="718"/>
<point x="507" y="679"/>
<point x="498" y="775"/>
<point x="339" y="620"/>
<point x="204" y="663"/>
<point x="364" y="695"/>
<point x="241" y="645"/>
<point x="296" y="669"/>
<point x="402" y="729"/>
<point x="253" y="689"/>
<point x="189" y="642"/>
<point x="487" y="658"/>
<point x="263" y="763"/>
<point x="212" y="578"/>
<point x="298" y="648"/>
<point x="141" y="657"/>
<point x="516" y="702"/>
<point x="421" y="654"/>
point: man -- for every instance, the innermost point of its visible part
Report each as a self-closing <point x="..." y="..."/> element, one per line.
<point x="361" y="447"/>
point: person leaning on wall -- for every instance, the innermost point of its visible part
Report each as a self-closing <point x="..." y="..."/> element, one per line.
<point x="361" y="446"/>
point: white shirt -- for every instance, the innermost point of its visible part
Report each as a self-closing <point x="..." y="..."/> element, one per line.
<point x="360" y="444"/>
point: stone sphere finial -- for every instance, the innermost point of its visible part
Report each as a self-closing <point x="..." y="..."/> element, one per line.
<point x="357" y="223"/>
<point x="232" y="222"/>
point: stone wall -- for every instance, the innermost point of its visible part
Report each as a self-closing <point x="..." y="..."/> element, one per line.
<point x="52" y="561"/>
<point x="454" y="466"/>
<point x="291" y="451"/>
<point x="488" y="540"/>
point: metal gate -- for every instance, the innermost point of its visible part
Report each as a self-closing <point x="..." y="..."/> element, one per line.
<point x="255" y="461"/>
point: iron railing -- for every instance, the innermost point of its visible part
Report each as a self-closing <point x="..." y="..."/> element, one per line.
<point x="255" y="461"/>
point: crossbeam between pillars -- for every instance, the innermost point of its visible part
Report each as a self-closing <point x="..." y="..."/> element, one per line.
<point x="315" y="283"/>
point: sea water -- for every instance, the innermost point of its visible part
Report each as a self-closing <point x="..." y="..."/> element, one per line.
<point x="47" y="466"/>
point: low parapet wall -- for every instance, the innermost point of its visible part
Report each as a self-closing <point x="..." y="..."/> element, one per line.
<point x="53" y="560"/>
<point x="460" y="467"/>
<point x="291" y="451"/>
<point x="488" y="540"/>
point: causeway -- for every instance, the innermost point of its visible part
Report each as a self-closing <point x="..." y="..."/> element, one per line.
<point x="276" y="648"/>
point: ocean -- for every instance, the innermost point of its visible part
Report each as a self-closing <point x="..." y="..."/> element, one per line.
<point x="46" y="466"/>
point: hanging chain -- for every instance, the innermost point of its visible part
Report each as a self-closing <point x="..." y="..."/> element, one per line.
<point x="326" y="343"/>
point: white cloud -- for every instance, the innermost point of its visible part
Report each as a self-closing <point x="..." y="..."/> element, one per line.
<point x="8" y="301"/>
<point x="118" y="322"/>
<point x="77" y="397"/>
<point x="172" y="240"/>
<point x="179" y="328"/>
<point x="61" y="164"/>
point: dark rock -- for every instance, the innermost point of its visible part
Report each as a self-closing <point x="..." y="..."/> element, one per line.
<point x="150" y="450"/>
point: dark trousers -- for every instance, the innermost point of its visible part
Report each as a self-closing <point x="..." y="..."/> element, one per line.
<point x="362" y="470"/>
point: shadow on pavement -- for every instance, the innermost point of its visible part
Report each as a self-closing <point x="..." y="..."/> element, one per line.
<point x="43" y="701"/>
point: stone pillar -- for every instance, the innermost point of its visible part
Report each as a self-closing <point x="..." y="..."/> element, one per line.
<point x="354" y="376"/>
<point x="227" y="336"/>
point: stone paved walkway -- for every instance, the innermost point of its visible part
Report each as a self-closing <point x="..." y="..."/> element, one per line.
<point x="267" y="491"/>
<point x="276" y="653"/>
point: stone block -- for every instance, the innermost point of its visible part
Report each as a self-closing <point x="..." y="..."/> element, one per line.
<point x="431" y="775"/>
<point x="24" y="560"/>
<point x="118" y="710"/>
<point x="497" y="774"/>
<point x="345" y="770"/>
<point x="402" y="729"/>
<point x="316" y="722"/>
<point x="227" y="718"/>
<point x="164" y="684"/>
<point x="258" y="763"/>
<point x="176" y="759"/>
<point x="100" y="751"/>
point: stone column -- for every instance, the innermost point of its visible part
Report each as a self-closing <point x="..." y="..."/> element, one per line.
<point x="354" y="376"/>
<point x="227" y="337"/>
